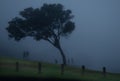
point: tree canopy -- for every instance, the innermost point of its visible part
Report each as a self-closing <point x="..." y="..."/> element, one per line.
<point x="49" y="23"/>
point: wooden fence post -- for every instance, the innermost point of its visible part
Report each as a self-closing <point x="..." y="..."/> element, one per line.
<point x="62" y="69"/>
<point x="39" y="67"/>
<point x="104" y="71"/>
<point x="17" y="66"/>
<point x="83" y="69"/>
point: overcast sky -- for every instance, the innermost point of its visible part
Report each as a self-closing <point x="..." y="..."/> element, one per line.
<point x="95" y="42"/>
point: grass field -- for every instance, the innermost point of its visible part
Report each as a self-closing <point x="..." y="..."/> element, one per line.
<point x="30" y="69"/>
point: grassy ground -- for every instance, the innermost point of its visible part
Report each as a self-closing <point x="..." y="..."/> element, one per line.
<point x="30" y="69"/>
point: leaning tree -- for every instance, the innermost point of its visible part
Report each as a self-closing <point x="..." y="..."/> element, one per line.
<point x="49" y="23"/>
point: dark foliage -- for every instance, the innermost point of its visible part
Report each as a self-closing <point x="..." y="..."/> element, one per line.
<point x="49" y="23"/>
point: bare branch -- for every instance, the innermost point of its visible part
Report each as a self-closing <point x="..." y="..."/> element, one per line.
<point x="49" y="40"/>
<point x="60" y="26"/>
<point x="53" y="33"/>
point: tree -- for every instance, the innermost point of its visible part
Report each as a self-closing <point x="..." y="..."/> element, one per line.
<point x="49" y="23"/>
<point x="25" y="54"/>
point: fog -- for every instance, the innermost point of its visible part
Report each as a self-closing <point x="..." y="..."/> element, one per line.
<point x="95" y="42"/>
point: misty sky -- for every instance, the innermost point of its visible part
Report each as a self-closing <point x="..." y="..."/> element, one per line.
<point x="95" y="42"/>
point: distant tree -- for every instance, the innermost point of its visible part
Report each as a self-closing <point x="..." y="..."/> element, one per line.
<point x="49" y="23"/>
<point x="25" y="54"/>
<point x="72" y="60"/>
<point x="56" y="61"/>
<point x="68" y="61"/>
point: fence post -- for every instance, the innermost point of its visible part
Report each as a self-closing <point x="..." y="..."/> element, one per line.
<point x="83" y="69"/>
<point x="39" y="67"/>
<point x="17" y="66"/>
<point x="104" y="71"/>
<point x="62" y="69"/>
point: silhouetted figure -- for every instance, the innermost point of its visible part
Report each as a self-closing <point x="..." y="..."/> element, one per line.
<point x="104" y="71"/>
<point x="83" y="69"/>
<point x="39" y="67"/>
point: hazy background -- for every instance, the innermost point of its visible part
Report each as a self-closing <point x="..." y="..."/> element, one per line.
<point x="95" y="42"/>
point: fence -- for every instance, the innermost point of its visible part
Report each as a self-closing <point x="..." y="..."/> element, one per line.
<point x="39" y="67"/>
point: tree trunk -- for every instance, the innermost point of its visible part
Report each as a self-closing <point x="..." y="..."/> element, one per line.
<point x="58" y="46"/>
<point x="56" y="43"/>
<point x="63" y="58"/>
<point x="63" y="55"/>
<point x="61" y="52"/>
